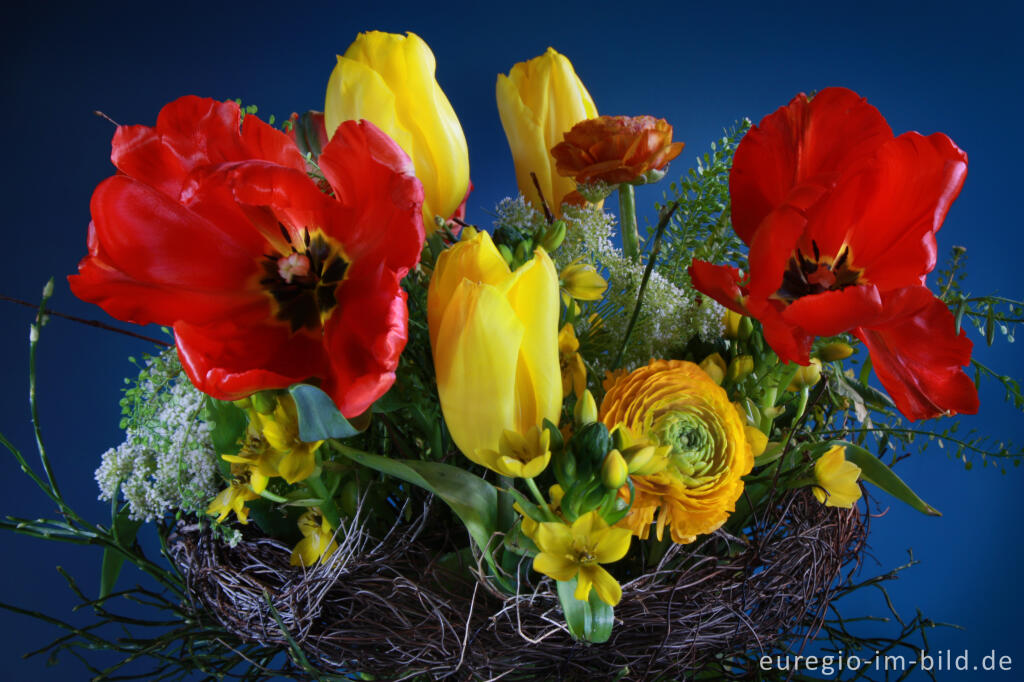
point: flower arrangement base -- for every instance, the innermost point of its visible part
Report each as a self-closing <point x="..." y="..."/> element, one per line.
<point x="391" y="608"/>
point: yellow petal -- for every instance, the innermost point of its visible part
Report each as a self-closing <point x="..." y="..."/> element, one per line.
<point x="612" y="545"/>
<point x="557" y="566"/>
<point x="554" y="538"/>
<point x="536" y="466"/>
<point x="533" y="294"/>
<point x="476" y="359"/>
<point x="477" y="260"/>
<point x="584" y="581"/>
<point x="608" y="588"/>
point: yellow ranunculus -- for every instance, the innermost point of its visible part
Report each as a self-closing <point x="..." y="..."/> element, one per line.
<point x="494" y="335"/>
<point x="388" y="79"/>
<point x="539" y="101"/>
<point x="836" y="479"/>
<point x="675" y="403"/>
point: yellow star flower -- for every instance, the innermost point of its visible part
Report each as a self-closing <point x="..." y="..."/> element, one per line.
<point x="317" y="543"/>
<point x="518" y="455"/>
<point x="233" y="499"/>
<point x="582" y="282"/>
<point x="575" y="551"/>
<point x="281" y="431"/>
<point x="836" y="479"/>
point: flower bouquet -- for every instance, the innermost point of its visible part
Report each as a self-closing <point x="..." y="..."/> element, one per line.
<point x="389" y="442"/>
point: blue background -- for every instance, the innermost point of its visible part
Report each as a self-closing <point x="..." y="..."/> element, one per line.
<point x="926" y="68"/>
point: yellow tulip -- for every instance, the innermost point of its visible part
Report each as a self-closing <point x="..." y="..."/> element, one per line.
<point x="494" y="335"/>
<point x="539" y="101"/>
<point x="388" y="79"/>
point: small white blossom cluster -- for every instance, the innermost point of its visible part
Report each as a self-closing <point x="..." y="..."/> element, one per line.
<point x="167" y="461"/>
<point x="672" y="313"/>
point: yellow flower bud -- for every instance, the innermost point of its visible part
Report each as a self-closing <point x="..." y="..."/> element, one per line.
<point x="388" y="79"/>
<point x="806" y="377"/>
<point x="758" y="441"/>
<point x="585" y="411"/>
<point x="835" y="351"/>
<point x="714" y="366"/>
<point x="582" y="282"/>
<point x="494" y="335"/>
<point x="836" y="479"/>
<point x="740" y="367"/>
<point x="539" y="101"/>
<point x="614" y="470"/>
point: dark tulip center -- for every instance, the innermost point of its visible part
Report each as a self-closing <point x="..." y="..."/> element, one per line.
<point x="304" y="282"/>
<point x="805" y="275"/>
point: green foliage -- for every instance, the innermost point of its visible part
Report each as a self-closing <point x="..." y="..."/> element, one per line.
<point x="701" y="228"/>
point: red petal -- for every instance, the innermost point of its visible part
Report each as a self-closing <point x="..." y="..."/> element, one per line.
<point x="373" y="177"/>
<point x="888" y="208"/>
<point x="365" y="336"/>
<point x="918" y="355"/>
<point x="153" y="260"/>
<point x="803" y="142"/>
<point x="835" y="312"/>
<point x="720" y="282"/>
<point x="789" y="341"/>
<point x="772" y="247"/>
<point x="265" y="142"/>
<point x="229" y="360"/>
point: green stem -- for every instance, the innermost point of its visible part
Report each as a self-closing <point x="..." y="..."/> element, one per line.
<point x="666" y="216"/>
<point x="327" y="506"/>
<point x="627" y="218"/>
<point x="539" y="499"/>
<point x="266" y="494"/>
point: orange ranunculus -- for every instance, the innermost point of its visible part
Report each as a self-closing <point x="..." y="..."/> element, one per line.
<point x="615" y="149"/>
<point x="676" y="403"/>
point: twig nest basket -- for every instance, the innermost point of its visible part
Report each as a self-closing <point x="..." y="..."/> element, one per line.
<point x="390" y="608"/>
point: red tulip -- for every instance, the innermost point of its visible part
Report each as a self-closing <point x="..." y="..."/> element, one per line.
<point x="217" y="231"/>
<point x="841" y="217"/>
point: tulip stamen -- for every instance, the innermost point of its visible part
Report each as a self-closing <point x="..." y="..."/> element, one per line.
<point x="808" y="276"/>
<point x="304" y="282"/>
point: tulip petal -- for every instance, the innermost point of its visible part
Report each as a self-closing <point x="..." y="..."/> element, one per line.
<point x="720" y="282"/>
<point x="918" y="356"/>
<point x="834" y="312"/>
<point x="887" y="210"/>
<point x="476" y="357"/>
<point x="806" y="141"/>
<point x="228" y="361"/>
<point x="532" y="292"/>
<point x="477" y="260"/>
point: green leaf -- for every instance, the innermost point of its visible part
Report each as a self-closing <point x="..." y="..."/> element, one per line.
<point x="319" y="418"/>
<point x="473" y="499"/>
<point x="229" y="424"/>
<point x="123" y="530"/>
<point x="876" y="472"/>
<point x="588" y="621"/>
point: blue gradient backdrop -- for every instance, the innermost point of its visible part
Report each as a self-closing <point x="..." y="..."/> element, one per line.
<point x="926" y="67"/>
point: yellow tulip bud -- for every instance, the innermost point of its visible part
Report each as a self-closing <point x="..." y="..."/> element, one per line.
<point x="714" y="366"/>
<point x="582" y="282"/>
<point x="740" y="367"/>
<point x="835" y="351"/>
<point x="836" y="479"/>
<point x="614" y="470"/>
<point x="585" y="411"/>
<point x="494" y="335"/>
<point x="806" y="377"/>
<point x="388" y="79"/>
<point x="539" y="101"/>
